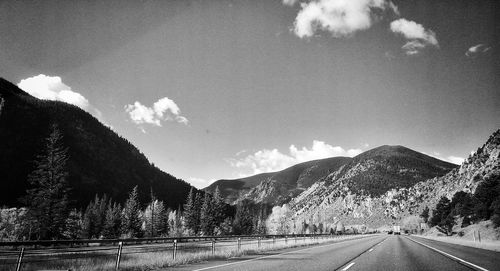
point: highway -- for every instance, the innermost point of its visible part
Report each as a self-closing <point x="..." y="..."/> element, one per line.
<point x="380" y="252"/>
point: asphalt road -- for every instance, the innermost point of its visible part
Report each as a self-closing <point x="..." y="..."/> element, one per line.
<point x="382" y="252"/>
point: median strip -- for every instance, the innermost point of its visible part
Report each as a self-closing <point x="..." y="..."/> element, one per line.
<point x="464" y="262"/>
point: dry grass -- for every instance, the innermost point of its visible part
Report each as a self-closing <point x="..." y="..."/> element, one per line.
<point x="187" y="253"/>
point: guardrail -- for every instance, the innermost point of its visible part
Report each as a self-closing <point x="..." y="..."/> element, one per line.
<point x="13" y="255"/>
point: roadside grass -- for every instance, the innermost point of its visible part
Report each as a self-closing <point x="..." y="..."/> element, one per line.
<point x="152" y="260"/>
<point x="486" y="244"/>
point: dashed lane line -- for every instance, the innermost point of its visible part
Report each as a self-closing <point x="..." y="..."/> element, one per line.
<point x="462" y="261"/>
<point x="359" y="255"/>
<point x="348" y="266"/>
<point x="269" y="256"/>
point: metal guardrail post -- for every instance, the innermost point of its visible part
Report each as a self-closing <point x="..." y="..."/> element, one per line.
<point x="20" y="259"/>
<point x="274" y="240"/>
<point x="286" y="240"/>
<point x="174" y="254"/>
<point x="258" y="242"/>
<point x="479" y="236"/>
<point x="119" y="255"/>
<point x="213" y="247"/>
<point x="239" y="243"/>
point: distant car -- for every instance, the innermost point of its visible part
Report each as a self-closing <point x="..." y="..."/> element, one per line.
<point x="397" y="230"/>
<point x="389" y="232"/>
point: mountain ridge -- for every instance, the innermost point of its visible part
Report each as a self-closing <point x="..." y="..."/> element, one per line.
<point x="100" y="161"/>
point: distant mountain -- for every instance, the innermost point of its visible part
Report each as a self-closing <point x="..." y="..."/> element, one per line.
<point x="406" y="186"/>
<point x="277" y="187"/>
<point x="100" y="161"/>
<point x="371" y="173"/>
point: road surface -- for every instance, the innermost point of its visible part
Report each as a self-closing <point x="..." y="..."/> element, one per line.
<point x="381" y="252"/>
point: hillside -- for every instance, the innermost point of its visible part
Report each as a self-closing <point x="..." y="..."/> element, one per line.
<point x="277" y="187"/>
<point x="339" y="198"/>
<point x="100" y="161"/>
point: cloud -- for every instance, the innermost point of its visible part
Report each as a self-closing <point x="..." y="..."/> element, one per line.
<point x="416" y="35"/>
<point x="269" y="160"/>
<point x="164" y="109"/>
<point x="289" y="2"/>
<point x="339" y="17"/>
<point x="455" y="159"/>
<point x="477" y="50"/>
<point x="451" y="159"/>
<point x="52" y="88"/>
<point x="200" y="182"/>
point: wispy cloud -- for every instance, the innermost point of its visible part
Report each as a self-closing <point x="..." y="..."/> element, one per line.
<point x="52" y="88"/>
<point x="477" y="50"/>
<point x="339" y="17"/>
<point x="451" y="158"/>
<point x="269" y="160"/>
<point x="164" y="109"/>
<point x="416" y="35"/>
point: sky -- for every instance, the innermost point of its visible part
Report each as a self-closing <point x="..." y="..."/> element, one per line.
<point x="222" y="89"/>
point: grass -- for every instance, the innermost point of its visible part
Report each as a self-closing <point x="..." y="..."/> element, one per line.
<point x="152" y="257"/>
<point x="486" y="244"/>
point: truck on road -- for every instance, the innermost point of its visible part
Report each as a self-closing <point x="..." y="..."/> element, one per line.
<point x="397" y="229"/>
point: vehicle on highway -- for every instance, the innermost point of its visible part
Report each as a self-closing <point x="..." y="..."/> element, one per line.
<point x="397" y="229"/>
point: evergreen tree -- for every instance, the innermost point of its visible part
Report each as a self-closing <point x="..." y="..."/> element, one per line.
<point x="131" y="220"/>
<point x="73" y="226"/>
<point x="190" y="213"/>
<point x="156" y="219"/>
<point x="47" y="199"/>
<point x="207" y="215"/>
<point x="441" y="215"/>
<point x="112" y="221"/>
<point x="94" y="218"/>
<point x="219" y="207"/>
<point x="425" y="214"/>
<point x="243" y="219"/>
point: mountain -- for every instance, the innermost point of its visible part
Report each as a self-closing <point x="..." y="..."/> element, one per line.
<point x="100" y="161"/>
<point x="371" y="173"/>
<point x="277" y="187"/>
<point x="346" y="195"/>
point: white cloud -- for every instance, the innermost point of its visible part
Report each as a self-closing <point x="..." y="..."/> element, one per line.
<point x="164" y="109"/>
<point x="200" y="182"/>
<point x="451" y="159"/>
<point x="289" y="2"/>
<point x="455" y="159"/>
<point x="339" y="17"/>
<point x="417" y="36"/>
<point x="476" y="50"/>
<point x="273" y="160"/>
<point x="52" y="88"/>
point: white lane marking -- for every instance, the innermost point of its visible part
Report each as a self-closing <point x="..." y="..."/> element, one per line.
<point x="263" y="257"/>
<point x="451" y="256"/>
<point x="348" y="266"/>
<point x="371" y="249"/>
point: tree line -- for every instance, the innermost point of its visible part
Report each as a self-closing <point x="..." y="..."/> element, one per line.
<point x="467" y="208"/>
<point x="48" y="212"/>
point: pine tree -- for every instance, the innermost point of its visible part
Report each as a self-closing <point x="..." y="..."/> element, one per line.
<point x="198" y="202"/>
<point x="190" y="212"/>
<point x="207" y="215"/>
<point x="219" y="207"/>
<point x="47" y="199"/>
<point x="131" y="220"/>
<point x="94" y="218"/>
<point x="112" y="221"/>
<point x="425" y="214"/>
<point x="156" y="219"/>
<point x="73" y="225"/>
<point x="243" y="219"/>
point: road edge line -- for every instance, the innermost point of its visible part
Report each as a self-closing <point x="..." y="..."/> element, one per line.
<point x="464" y="262"/>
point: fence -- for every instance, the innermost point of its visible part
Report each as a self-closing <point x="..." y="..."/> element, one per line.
<point x="110" y="252"/>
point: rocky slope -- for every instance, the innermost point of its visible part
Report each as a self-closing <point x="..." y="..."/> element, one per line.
<point x="340" y="196"/>
<point x="276" y="188"/>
